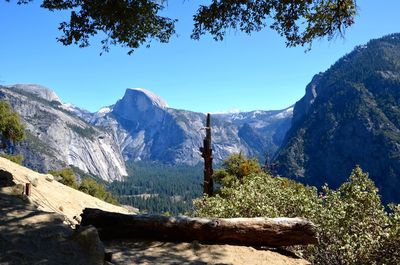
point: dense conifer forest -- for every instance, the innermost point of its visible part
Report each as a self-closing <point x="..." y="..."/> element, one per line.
<point x="154" y="187"/>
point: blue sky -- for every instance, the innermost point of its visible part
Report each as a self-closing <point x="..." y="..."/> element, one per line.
<point x="242" y="72"/>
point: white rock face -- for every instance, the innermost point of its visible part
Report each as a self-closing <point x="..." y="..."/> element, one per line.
<point x="57" y="138"/>
<point x="37" y="90"/>
<point x="138" y="104"/>
<point x="153" y="98"/>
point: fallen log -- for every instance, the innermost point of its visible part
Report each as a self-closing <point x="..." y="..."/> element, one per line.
<point x="274" y="232"/>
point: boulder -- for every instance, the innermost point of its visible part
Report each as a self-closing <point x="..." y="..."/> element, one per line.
<point x="49" y="177"/>
<point x="88" y="238"/>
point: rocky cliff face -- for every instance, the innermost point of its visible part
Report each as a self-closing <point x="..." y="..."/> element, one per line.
<point x="57" y="138"/>
<point x="145" y="128"/>
<point x="303" y="106"/>
<point x="349" y="116"/>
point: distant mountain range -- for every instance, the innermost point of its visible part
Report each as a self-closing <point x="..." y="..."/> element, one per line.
<point x="349" y="116"/>
<point x="140" y="126"/>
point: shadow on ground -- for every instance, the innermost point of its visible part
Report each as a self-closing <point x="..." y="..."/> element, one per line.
<point x="155" y="252"/>
<point x="29" y="236"/>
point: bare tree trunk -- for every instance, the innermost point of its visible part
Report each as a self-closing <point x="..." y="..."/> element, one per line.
<point x="206" y="153"/>
<point x="235" y="231"/>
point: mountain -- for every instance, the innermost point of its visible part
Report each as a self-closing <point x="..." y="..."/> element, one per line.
<point x="58" y="138"/>
<point x="350" y="115"/>
<point x="145" y="128"/>
<point x="261" y="130"/>
<point x="139" y="127"/>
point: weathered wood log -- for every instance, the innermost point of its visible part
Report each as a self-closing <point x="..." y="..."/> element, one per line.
<point x="235" y="231"/>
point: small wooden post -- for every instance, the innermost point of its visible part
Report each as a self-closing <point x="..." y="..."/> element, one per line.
<point x="28" y="189"/>
<point x="206" y="153"/>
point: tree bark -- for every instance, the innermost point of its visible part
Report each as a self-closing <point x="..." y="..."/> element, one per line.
<point x="206" y="153"/>
<point x="274" y="232"/>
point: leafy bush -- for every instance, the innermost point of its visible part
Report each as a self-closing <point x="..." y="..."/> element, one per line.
<point x="11" y="127"/>
<point x="91" y="187"/>
<point x="388" y="252"/>
<point x="66" y="177"/>
<point x="236" y="167"/>
<point x="14" y="158"/>
<point x="352" y="223"/>
<point x="353" y="226"/>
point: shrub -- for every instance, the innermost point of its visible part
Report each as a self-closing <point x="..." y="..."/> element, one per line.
<point x="14" y="158"/>
<point x="66" y="177"/>
<point x="352" y="223"/>
<point x="388" y="252"/>
<point x="236" y="167"/>
<point x="91" y="187"/>
<point x="11" y="127"/>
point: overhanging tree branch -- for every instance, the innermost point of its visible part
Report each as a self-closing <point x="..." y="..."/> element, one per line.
<point x="133" y="23"/>
<point x="299" y="21"/>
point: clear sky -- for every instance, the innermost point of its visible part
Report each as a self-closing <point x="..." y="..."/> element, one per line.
<point x="242" y="72"/>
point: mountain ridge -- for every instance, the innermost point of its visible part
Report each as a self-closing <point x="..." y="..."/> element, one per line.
<point x="350" y="115"/>
<point x="144" y="126"/>
<point x="141" y="126"/>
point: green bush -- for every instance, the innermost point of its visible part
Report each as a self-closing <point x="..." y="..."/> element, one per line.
<point x="11" y="127"/>
<point x="67" y="177"/>
<point x="236" y="167"/>
<point x="353" y="226"/>
<point x="388" y="252"/>
<point x="352" y="223"/>
<point x="14" y="158"/>
<point x="91" y="187"/>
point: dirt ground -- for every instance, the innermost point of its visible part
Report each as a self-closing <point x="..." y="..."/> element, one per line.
<point x="153" y="252"/>
<point x="52" y="196"/>
<point x="29" y="236"/>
